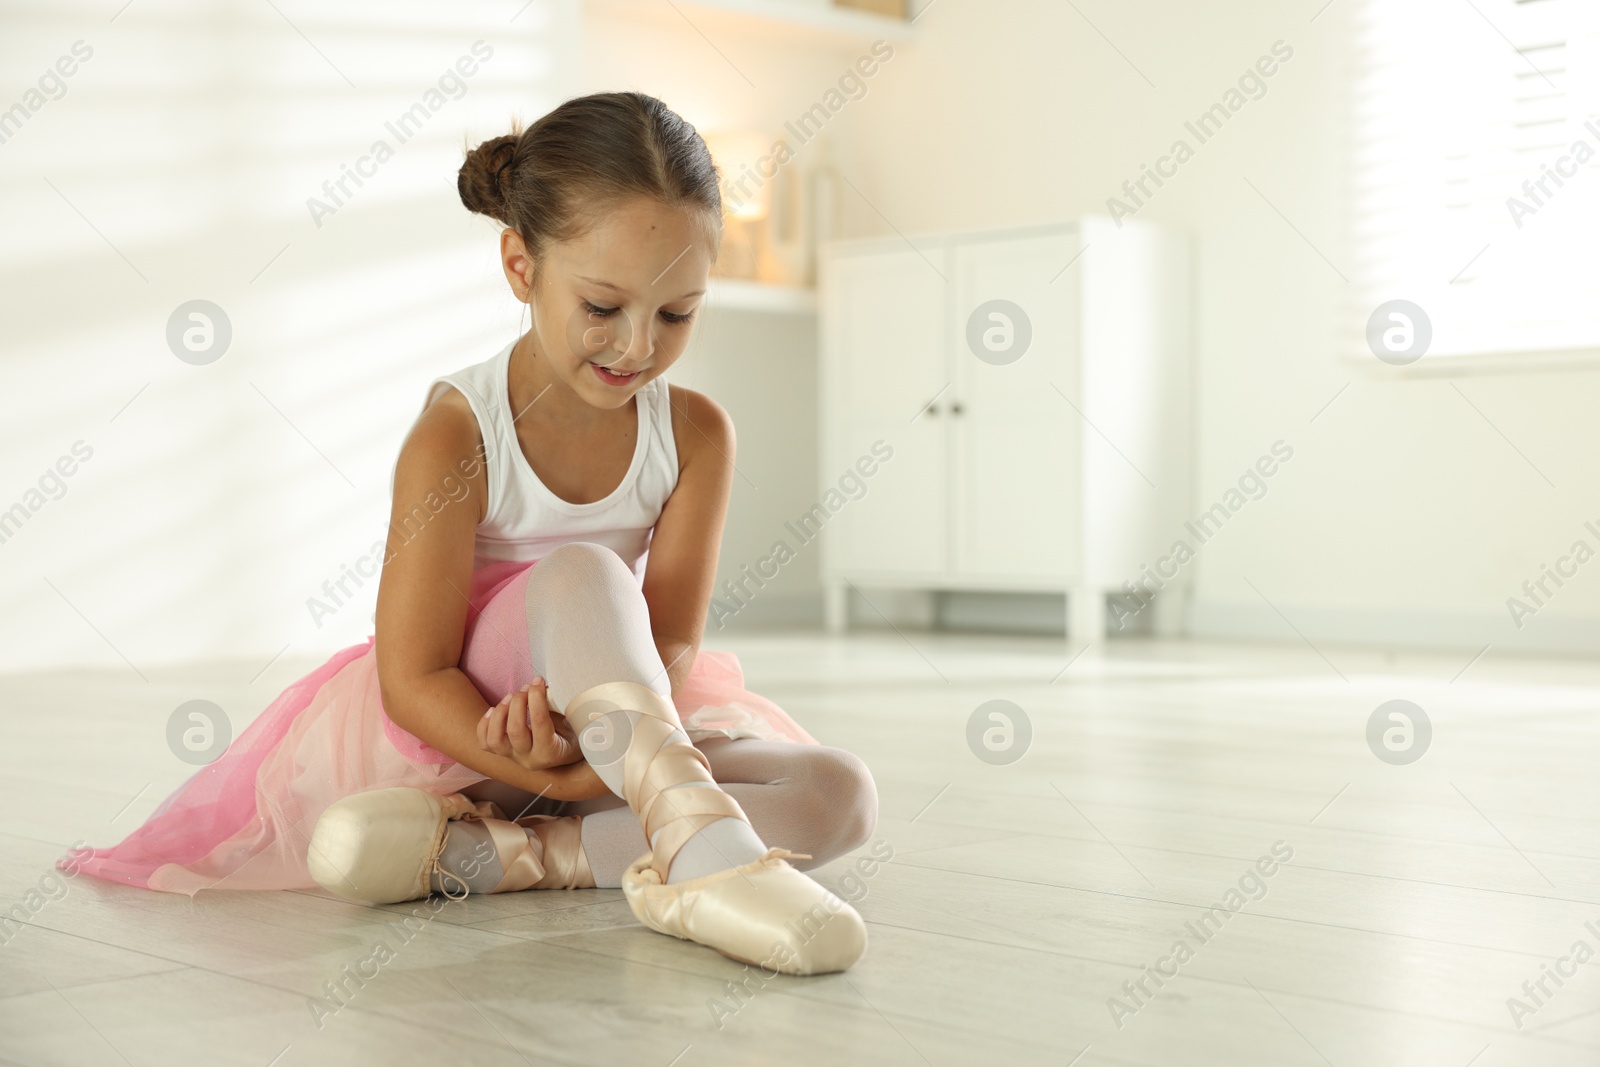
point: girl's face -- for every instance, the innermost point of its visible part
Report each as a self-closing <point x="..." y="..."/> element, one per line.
<point x="614" y="308"/>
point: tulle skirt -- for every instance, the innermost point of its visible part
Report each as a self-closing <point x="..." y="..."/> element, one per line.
<point x="244" y="820"/>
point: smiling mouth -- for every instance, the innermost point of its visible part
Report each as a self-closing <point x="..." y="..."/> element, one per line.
<point x="611" y="377"/>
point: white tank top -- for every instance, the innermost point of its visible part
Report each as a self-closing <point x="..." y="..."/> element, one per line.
<point x="525" y="519"/>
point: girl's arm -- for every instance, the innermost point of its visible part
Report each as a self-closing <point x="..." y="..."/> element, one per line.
<point x="440" y="497"/>
<point x="682" y="565"/>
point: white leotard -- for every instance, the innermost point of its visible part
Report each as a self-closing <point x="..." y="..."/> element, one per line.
<point x="525" y="519"/>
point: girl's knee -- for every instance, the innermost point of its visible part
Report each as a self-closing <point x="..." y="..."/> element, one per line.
<point x="582" y="572"/>
<point x="585" y="561"/>
<point x="842" y="785"/>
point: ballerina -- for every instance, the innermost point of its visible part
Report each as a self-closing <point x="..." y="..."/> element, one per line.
<point x="557" y="512"/>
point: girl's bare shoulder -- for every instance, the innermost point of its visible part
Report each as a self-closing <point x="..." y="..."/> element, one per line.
<point x="446" y="429"/>
<point x="444" y="441"/>
<point x="700" y="425"/>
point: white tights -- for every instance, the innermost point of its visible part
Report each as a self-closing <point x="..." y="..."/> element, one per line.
<point x="806" y="798"/>
<point x="588" y="624"/>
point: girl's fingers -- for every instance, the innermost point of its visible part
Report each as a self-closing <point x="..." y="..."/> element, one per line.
<point x="566" y="740"/>
<point x="522" y="726"/>
<point x="517" y="732"/>
<point x="563" y="727"/>
<point x="538" y="710"/>
<point x="563" y="746"/>
<point x="483" y="724"/>
<point x="495" y="730"/>
<point x="540" y="727"/>
<point x="558" y="743"/>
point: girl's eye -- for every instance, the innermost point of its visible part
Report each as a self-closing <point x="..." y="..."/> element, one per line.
<point x="604" y="313"/>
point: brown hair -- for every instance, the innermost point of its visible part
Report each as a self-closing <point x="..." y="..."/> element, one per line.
<point x="552" y="181"/>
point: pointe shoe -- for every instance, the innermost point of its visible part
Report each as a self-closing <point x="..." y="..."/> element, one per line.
<point x="648" y="770"/>
<point x="383" y="846"/>
<point x="765" y="912"/>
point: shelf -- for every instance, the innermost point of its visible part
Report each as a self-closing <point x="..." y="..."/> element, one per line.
<point x="788" y="21"/>
<point x="737" y="294"/>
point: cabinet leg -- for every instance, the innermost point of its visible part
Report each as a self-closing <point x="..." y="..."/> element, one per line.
<point x="1086" y="616"/>
<point x="1171" y="612"/>
<point x="835" y="607"/>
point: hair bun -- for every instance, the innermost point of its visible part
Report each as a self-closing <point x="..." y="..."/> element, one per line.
<point x="553" y="181"/>
<point x="485" y="176"/>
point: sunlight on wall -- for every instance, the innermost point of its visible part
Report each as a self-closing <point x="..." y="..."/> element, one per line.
<point x="176" y="164"/>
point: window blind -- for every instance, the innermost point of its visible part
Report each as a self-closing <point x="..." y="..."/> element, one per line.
<point x="1475" y="185"/>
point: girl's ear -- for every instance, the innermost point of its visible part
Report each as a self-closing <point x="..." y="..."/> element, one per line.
<point x="518" y="263"/>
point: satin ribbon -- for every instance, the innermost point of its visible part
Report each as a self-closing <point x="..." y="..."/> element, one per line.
<point x="452" y="806"/>
<point x="650" y="766"/>
<point x="565" y="863"/>
<point x="520" y="863"/>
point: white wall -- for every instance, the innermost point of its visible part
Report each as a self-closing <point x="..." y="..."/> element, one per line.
<point x="177" y="165"/>
<point x="192" y="138"/>
<point x="1404" y="517"/>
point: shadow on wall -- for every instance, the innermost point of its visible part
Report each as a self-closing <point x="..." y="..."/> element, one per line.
<point x="296" y="174"/>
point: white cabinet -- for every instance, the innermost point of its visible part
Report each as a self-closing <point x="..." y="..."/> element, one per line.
<point x="1031" y="390"/>
<point x="895" y="316"/>
<point x="1013" y="517"/>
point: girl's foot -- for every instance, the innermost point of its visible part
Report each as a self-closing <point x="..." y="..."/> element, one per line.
<point x="760" y="911"/>
<point x="385" y="846"/>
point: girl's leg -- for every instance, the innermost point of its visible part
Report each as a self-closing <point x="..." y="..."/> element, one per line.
<point x="707" y="877"/>
<point x="470" y="858"/>
<point x="580" y="620"/>
<point x="806" y="798"/>
<point x="588" y="625"/>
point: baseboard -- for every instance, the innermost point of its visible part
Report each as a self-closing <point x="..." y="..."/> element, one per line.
<point x="997" y="612"/>
<point x="1045" y="614"/>
<point x="1022" y="613"/>
<point x="1412" y="629"/>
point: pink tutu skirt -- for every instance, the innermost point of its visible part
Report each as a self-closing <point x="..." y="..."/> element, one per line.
<point x="244" y="820"/>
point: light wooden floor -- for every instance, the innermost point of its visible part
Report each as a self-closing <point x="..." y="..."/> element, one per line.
<point x="1019" y="898"/>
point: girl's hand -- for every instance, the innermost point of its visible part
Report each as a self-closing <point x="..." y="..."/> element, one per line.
<point x="523" y="728"/>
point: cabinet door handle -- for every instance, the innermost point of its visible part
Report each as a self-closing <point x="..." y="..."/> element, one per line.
<point x="955" y="408"/>
<point x="932" y="409"/>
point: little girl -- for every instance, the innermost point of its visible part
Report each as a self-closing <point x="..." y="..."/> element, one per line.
<point x="557" y="513"/>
